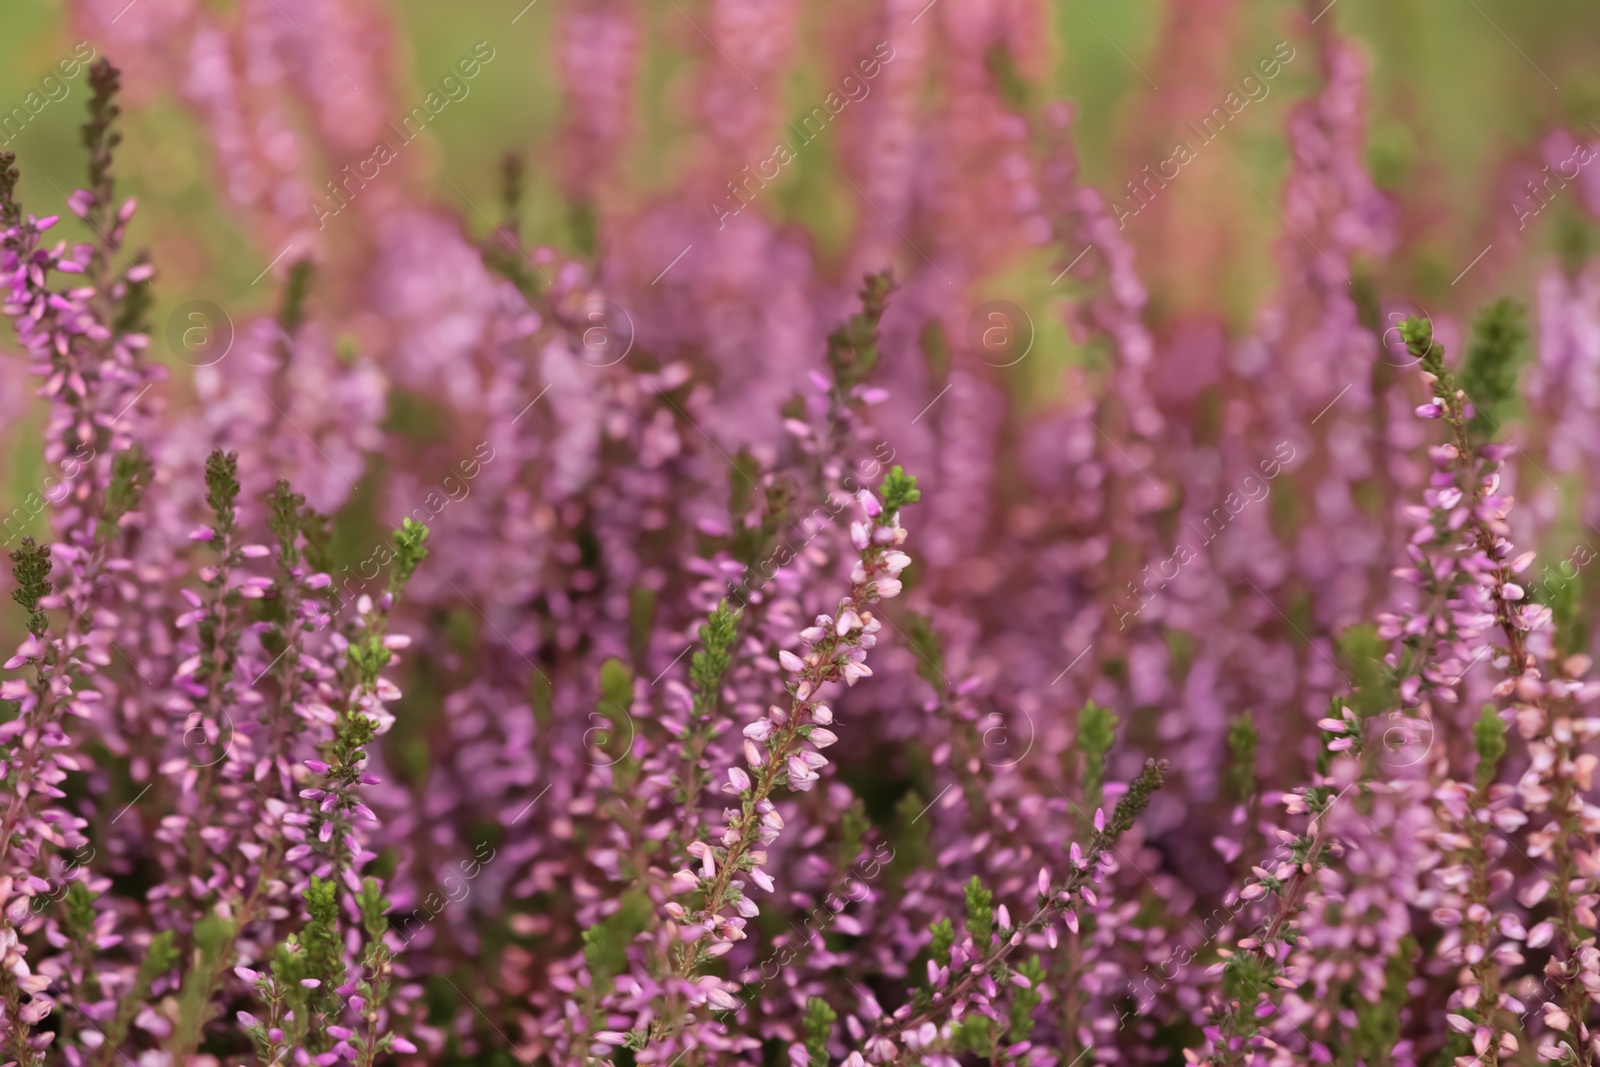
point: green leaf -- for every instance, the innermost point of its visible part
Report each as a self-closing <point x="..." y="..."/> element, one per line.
<point x="708" y="665"/>
<point x="944" y="937"/>
<point x="213" y="939"/>
<point x="929" y="649"/>
<point x="605" y="944"/>
<point x="79" y="907"/>
<point x="1489" y="734"/>
<point x="283" y="519"/>
<point x="898" y="490"/>
<point x="131" y="471"/>
<point x="1097" y="732"/>
<point x="1362" y="652"/>
<point x="980" y="913"/>
<point x="292" y="312"/>
<point x="1378" y="1025"/>
<point x="1489" y="373"/>
<point x="409" y="551"/>
<point x="818" y="1028"/>
<point x="1418" y="337"/>
<point x="222" y="488"/>
<point x="743" y="472"/>
<point x="641" y="621"/>
<point x="853" y="347"/>
<point x="1242" y="738"/>
<point x="973" y="1034"/>
<point x="30" y="568"/>
<point x="374" y="908"/>
<point x="1024" y="1001"/>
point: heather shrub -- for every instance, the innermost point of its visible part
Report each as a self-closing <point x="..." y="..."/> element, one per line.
<point x="504" y="651"/>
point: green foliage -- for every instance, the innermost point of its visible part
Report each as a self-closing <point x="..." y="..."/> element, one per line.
<point x="1245" y="976"/>
<point x="1489" y="373"/>
<point x="912" y="851"/>
<point x="222" y="488"/>
<point x="944" y="937"/>
<point x="133" y="309"/>
<point x="1097" y="732"/>
<point x="98" y="136"/>
<point x="1362" y="652"/>
<point x="743" y="471"/>
<point x="291" y="966"/>
<point x="853" y="827"/>
<point x="30" y="568"/>
<point x="853" y="347"/>
<point x="1136" y="799"/>
<point x="1564" y="598"/>
<point x="501" y="250"/>
<point x="974" y="1034"/>
<point x="353" y="733"/>
<point x="615" y="706"/>
<point x="616" y="688"/>
<point x="1242" y="739"/>
<point x="1378" y="1025"/>
<point x="605" y="944"/>
<point x="512" y="184"/>
<point x="1007" y="76"/>
<point x="1180" y="652"/>
<point x="130" y="476"/>
<point x="320" y="940"/>
<point x="292" y="312"/>
<point x="317" y="529"/>
<point x="1489" y="735"/>
<point x="751" y="545"/>
<point x="819" y="1028"/>
<point x="1418" y="337"/>
<point x="213" y="939"/>
<point x="936" y="350"/>
<point x="641" y="621"/>
<point x="1024" y="1001"/>
<point x="583" y="224"/>
<point x="708" y="665"/>
<point x="159" y="958"/>
<point x="10" y="210"/>
<point x="898" y="490"/>
<point x="78" y="904"/>
<point x="541" y="695"/>
<point x="929" y="649"/>
<point x="980" y="913"/>
<point x="409" y="551"/>
<point x="284" y="519"/>
<point x="374" y="909"/>
<point x="368" y="656"/>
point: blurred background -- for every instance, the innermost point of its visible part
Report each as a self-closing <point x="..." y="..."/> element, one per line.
<point x="1461" y="94"/>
